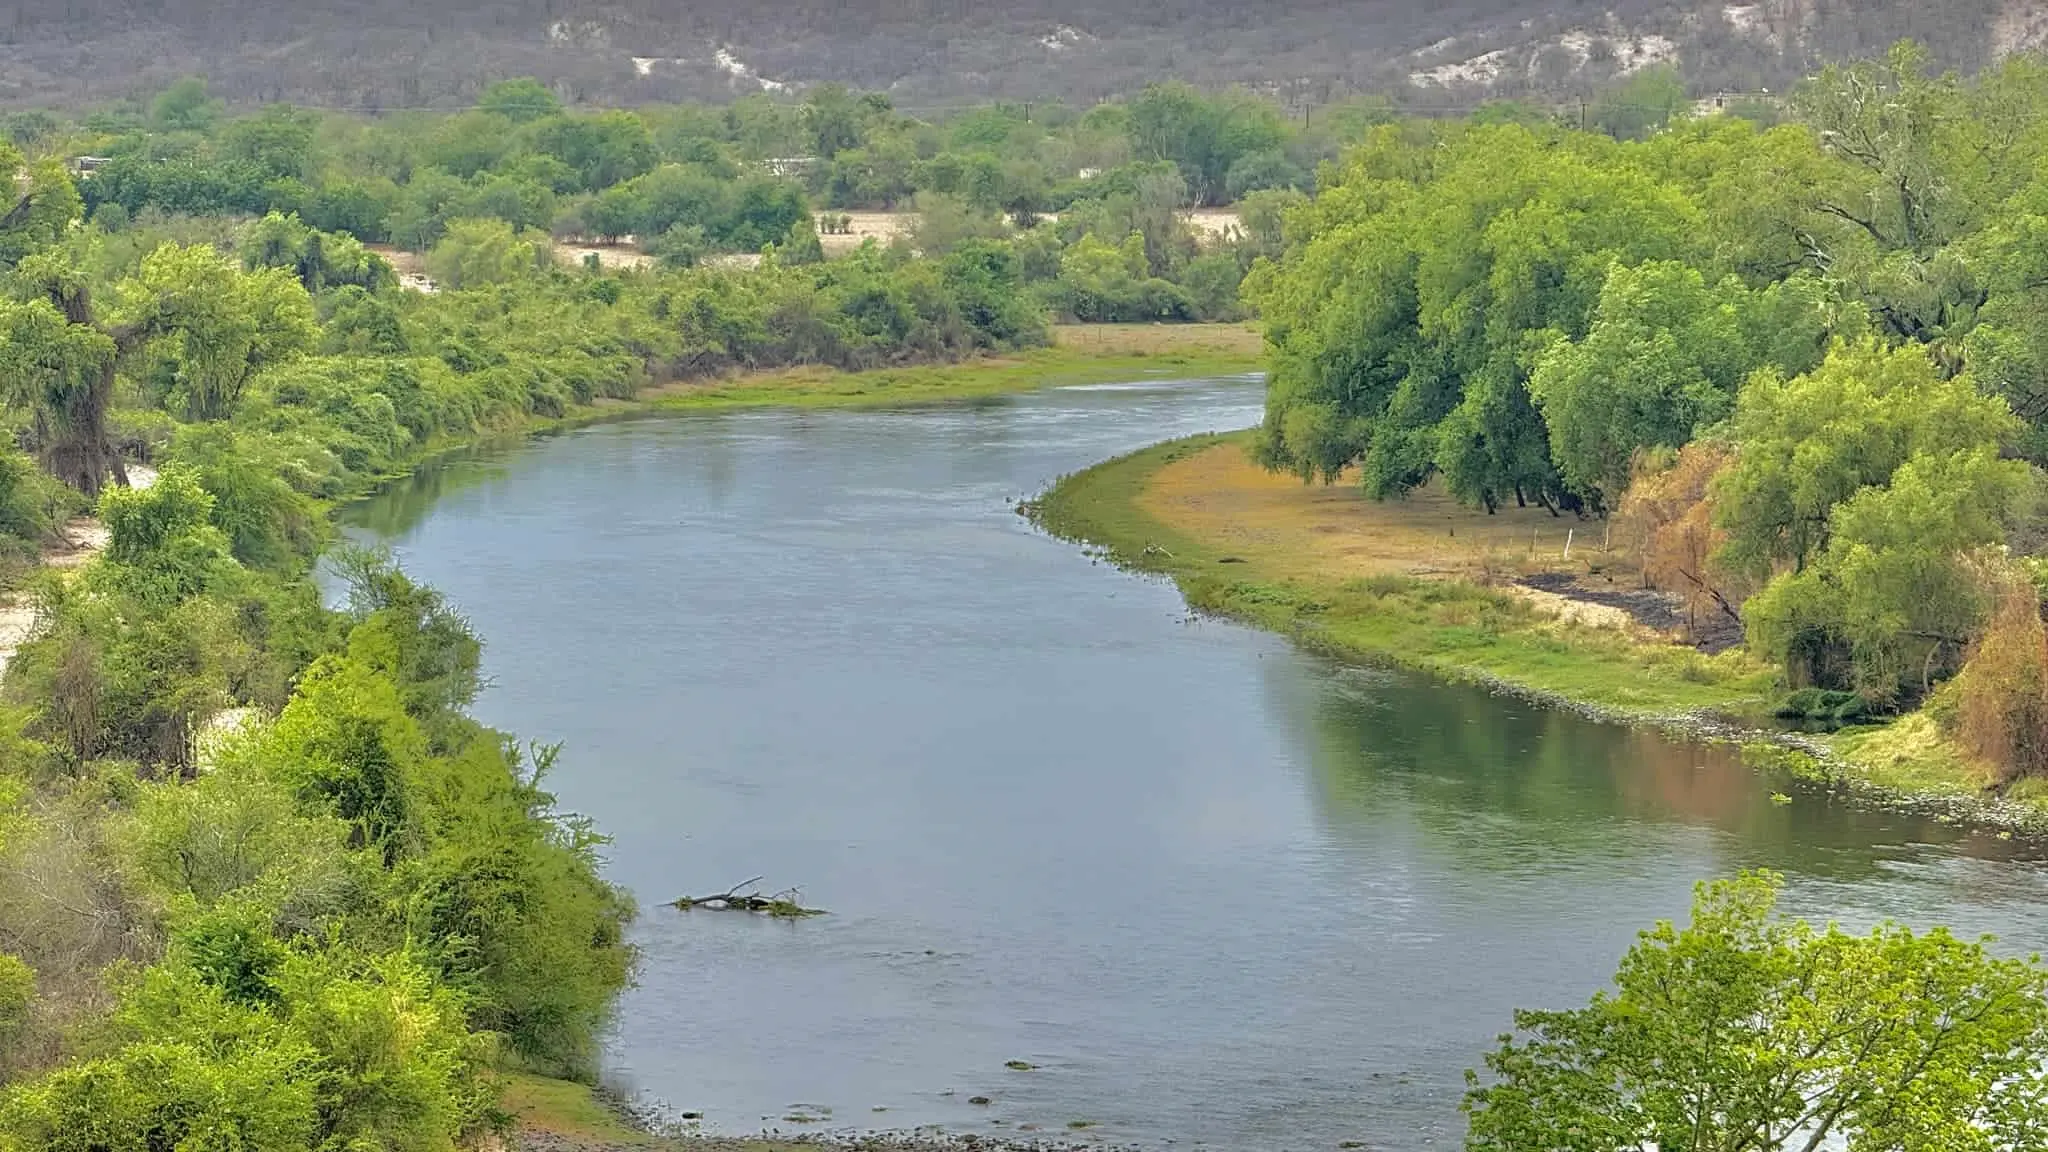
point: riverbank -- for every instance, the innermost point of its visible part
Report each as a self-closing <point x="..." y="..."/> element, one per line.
<point x="1079" y="354"/>
<point x="1459" y="594"/>
<point x="547" y="1115"/>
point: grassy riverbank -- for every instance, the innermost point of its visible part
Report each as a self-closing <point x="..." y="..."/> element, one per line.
<point x="1080" y="354"/>
<point x="1428" y="585"/>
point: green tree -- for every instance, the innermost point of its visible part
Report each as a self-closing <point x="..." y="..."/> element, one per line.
<point x="185" y="106"/>
<point x="277" y="141"/>
<point x="602" y="149"/>
<point x="521" y="100"/>
<point x="481" y="252"/>
<point x="212" y="326"/>
<point x="62" y="373"/>
<point x="1746" y="1032"/>
<point x="1426" y="282"/>
<point x="1203" y="136"/>
<point x="44" y="206"/>
<point x="1662" y="358"/>
<point x="1898" y="597"/>
<point x="1641" y="105"/>
<point x="1810" y="442"/>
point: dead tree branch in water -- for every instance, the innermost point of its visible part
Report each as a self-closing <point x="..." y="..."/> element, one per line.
<point x="786" y="905"/>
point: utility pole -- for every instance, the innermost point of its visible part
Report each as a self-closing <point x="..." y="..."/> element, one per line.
<point x="1582" y="114"/>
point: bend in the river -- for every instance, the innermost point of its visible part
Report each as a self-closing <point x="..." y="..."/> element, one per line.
<point x="1218" y="891"/>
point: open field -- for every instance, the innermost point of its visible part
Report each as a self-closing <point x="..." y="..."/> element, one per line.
<point x="610" y="257"/>
<point x="1335" y="531"/>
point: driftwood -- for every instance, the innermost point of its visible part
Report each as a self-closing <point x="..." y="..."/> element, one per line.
<point x="787" y="904"/>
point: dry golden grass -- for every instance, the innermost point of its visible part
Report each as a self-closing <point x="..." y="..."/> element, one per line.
<point x="883" y="227"/>
<point x="609" y="256"/>
<point x="1162" y="339"/>
<point x="1333" y="531"/>
<point x="1212" y="224"/>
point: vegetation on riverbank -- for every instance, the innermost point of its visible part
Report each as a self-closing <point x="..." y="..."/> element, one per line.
<point x="1079" y="354"/>
<point x="1452" y="628"/>
<point x="1796" y="370"/>
<point x="1428" y="588"/>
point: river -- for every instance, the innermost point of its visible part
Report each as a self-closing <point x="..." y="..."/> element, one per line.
<point x="1219" y="892"/>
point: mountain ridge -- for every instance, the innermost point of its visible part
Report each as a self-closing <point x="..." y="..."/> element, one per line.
<point x="382" y="54"/>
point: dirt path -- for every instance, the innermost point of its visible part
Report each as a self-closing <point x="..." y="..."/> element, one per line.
<point x="82" y="539"/>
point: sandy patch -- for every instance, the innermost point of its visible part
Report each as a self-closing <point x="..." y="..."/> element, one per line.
<point x="883" y="227"/>
<point x="1213" y="224"/>
<point x="1574" y="611"/>
<point x="410" y="266"/>
<point x="80" y="540"/>
<point x="609" y="256"/>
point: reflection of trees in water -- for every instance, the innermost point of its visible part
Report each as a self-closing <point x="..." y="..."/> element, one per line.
<point x="405" y="503"/>
<point x="401" y="506"/>
<point x="1505" y="785"/>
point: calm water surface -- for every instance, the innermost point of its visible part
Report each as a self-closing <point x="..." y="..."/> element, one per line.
<point x="1223" y="893"/>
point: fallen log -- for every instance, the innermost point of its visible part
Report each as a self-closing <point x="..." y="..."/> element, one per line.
<point x="786" y="905"/>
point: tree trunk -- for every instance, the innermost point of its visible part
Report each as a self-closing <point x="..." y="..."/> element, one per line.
<point x="75" y="447"/>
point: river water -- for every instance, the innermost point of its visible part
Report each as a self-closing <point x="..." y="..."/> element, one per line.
<point x="1219" y="892"/>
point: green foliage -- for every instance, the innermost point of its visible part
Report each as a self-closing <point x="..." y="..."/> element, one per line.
<point x="17" y="989"/>
<point x="1810" y="442"/>
<point x="236" y="834"/>
<point x="346" y="743"/>
<point x="520" y="100"/>
<point x="342" y="1052"/>
<point x="185" y="106"/>
<point x="1427" y="278"/>
<point x="209" y="327"/>
<point x="474" y="253"/>
<point x="1662" y="359"/>
<point x="319" y="259"/>
<point x="1104" y="283"/>
<point x="1641" y="105"/>
<point x="1744" y="1030"/>
<point x="1205" y="137"/>
<point x="1896" y="599"/>
<point x="161" y="542"/>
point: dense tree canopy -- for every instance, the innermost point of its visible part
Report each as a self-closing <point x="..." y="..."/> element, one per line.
<point x="1845" y="305"/>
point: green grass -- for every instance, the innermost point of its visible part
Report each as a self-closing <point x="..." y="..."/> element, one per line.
<point x="572" y="1111"/>
<point x="1453" y="629"/>
<point x="567" y="1109"/>
<point x="1040" y="368"/>
<point x="1910" y="756"/>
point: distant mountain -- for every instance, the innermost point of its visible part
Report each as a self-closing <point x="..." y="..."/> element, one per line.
<point x="437" y="53"/>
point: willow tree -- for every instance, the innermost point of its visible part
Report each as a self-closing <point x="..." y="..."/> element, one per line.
<point x="57" y="363"/>
<point x="1406" y="321"/>
<point x="209" y="325"/>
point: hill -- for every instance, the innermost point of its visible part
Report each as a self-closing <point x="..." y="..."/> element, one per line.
<point x="392" y="53"/>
